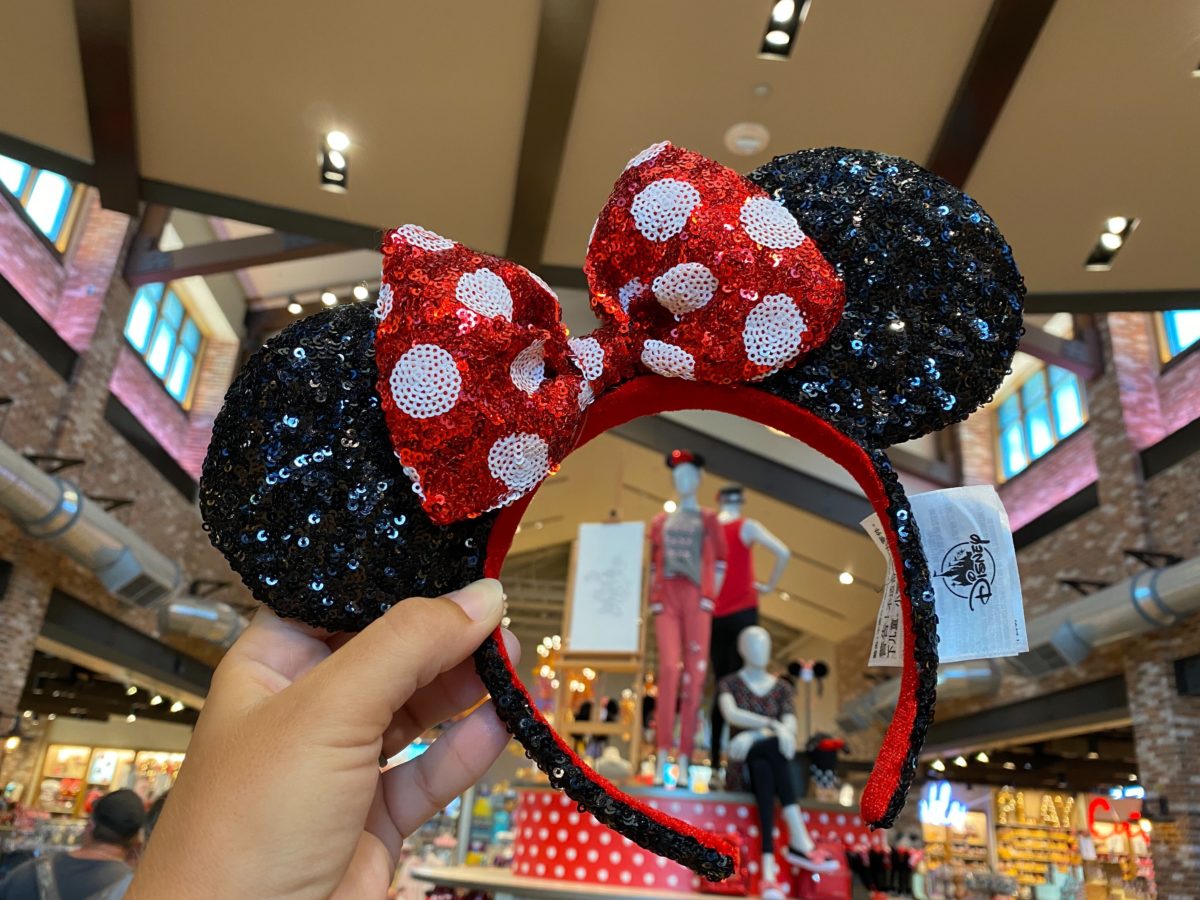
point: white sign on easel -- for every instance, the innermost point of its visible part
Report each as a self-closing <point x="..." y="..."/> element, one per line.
<point x="606" y="591"/>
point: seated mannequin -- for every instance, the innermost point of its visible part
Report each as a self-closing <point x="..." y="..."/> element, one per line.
<point x="758" y="708"/>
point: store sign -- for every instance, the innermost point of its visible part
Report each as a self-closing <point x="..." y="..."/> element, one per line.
<point x="605" y="606"/>
<point x="973" y="570"/>
<point x="938" y="807"/>
<point x="1110" y="818"/>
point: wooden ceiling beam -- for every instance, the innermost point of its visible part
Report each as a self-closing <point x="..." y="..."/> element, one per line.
<point x="562" y="42"/>
<point x="104" y="29"/>
<point x="149" y="265"/>
<point x="1004" y="45"/>
<point x="1111" y="301"/>
<point x="1079" y="355"/>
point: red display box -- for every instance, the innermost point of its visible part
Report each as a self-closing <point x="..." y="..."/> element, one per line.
<point x="554" y="841"/>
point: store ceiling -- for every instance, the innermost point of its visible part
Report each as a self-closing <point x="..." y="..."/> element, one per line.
<point x="463" y="120"/>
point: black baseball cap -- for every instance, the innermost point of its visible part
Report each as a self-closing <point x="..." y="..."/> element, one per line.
<point x="118" y="817"/>
<point x="731" y="492"/>
<point x="679" y="457"/>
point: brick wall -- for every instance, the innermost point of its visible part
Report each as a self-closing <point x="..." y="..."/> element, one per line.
<point x="48" y="415"/>
<point x="1132" y="405"/>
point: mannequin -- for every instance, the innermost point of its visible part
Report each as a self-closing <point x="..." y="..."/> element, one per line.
<point x="687" y="567"/>
<point x="737" y="603"/>
<point x="758" y="708"/>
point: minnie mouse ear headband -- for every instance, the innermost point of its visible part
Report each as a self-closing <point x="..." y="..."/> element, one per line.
<point x="850" y="299"/>
<point x="679" y="457"/>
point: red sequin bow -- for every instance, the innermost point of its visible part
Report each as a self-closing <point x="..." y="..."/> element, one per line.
<point x="695" y="272"/>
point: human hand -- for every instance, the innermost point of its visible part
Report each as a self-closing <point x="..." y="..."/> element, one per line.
<point x="787" y="740"/>
<point x="281" y="794"/>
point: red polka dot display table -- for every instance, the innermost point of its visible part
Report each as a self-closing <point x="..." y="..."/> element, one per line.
<point x="556" y="842"/>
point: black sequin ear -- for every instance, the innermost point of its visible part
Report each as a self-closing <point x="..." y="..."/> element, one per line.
<point x="933" y="297"/>
<point x="302" y="491"/>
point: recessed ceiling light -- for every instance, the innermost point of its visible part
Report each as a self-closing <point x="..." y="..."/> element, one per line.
<point x="295" y="308"/>
<point x="1092" y="754"/>
<point x="960" y="761"/>
<point x="131" y="718"/>
<point x="130" y="691"/>
<point x="156" y="700"/>
<point x="333" y="163"/>
<point x="336" y="159"/>
<point x="361" y="292"/>
<point x="1010" y="765"/>
<point x="982" y="757"/>
<point x="783" y="10"/>
<point x="669" y="506"/>
<point x="938" y="765"/>
<point x="1133" y="776"/>
<point x="337" y="140"/>
<point x="329" y="298"/>
<point x="177" y="706"/>
<point x="747" y="138"/>
<point x="1114" y="236"/>
<point x="846" y="578"/>
<point x="777" y="38"/>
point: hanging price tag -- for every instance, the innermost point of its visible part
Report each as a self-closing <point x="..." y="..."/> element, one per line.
<point x="973" y="568"/>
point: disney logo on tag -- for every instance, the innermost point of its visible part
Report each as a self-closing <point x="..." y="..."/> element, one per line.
<point x="968" y="570"/>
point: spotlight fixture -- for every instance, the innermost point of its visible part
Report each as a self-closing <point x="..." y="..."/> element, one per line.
<point x="1116" y="232"/>
<point x="130" y="691"/>
<point x="982" y="757"/>
<point x="669" y="506"/>
<point x="1133" y="776"/>
<point x="938" y="766"/>
<point x="846" y="578"/>
<point x="13" y="739"/>
<point x="329" y="298"/>
<point x="52" y="716"/>
<point x="156" y="700"/>
<point x="28" y="714"/>
<point x="295" y="308"/>
<point x="1010" y="765"/>
<point x="747" y="138"/>
<point x="360" y="292"/>
<point x="785" y="596"/>
<point x="177" y="706"/>
<point x="785" y="20"/>
<point x="131" y="718"/>
<point x="1093" y="754"/>
<point x="960" y="761"/>
<point x="334" y="167"/>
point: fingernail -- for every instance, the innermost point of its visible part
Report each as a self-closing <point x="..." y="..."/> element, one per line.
<point x="480" y="600"/>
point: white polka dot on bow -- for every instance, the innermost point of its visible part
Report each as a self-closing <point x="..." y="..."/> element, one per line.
<point x="648" y="154"/>
<point x="770" y="224"/>
<point x="685" y="288"/>
<point x="425" y="381"/>
<point x="774" y="331"/>
<point x="528" y="371"/>
<point x="661" y="209"/>
<point x="589" y="355"/>
<point x="669" y="360"/>
<point x="484" y="292"/>
<point x="521" y="461"/>
<point x="423" y="238"/>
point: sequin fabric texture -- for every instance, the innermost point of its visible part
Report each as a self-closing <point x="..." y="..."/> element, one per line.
<point x="933" y="297"/>
<point x="302" y="493"/>
<point x="695" y="273"/>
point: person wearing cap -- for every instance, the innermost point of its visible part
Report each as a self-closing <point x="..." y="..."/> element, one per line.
<point x="99" y="870"/>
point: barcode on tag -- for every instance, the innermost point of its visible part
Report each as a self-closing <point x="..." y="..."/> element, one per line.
<point x="887" y="646"/>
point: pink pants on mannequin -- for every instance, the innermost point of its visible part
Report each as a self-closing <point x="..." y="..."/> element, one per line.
<point x="683" y="630"/>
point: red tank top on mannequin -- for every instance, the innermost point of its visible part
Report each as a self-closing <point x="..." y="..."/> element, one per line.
<point x="737" y="592"/>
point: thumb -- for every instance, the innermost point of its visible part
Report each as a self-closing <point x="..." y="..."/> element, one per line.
<point x="365" y="681"/>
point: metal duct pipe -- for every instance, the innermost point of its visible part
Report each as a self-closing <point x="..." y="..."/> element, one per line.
<point x="1063" y="637"/>
<point x="199" y="617"/>
<point x="973" y="678"/>
<point x="54" y="510"/>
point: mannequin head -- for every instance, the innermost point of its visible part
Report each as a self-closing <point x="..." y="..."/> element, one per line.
<point x="754" y="646"/>
<point x="731" y="499"/>
<point x="685" y="469"/>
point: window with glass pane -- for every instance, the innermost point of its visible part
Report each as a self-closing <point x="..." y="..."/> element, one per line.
<point x="46" y="196"/>
<point x="1182" y="329"/>
<point x="161" y="330"/>
<point x="1045" y="408"/>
